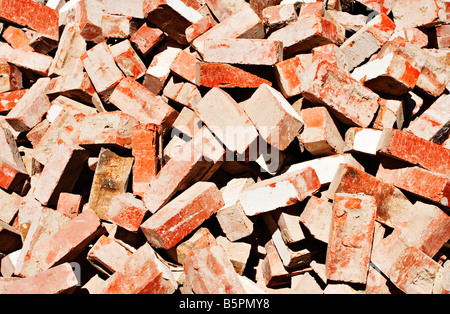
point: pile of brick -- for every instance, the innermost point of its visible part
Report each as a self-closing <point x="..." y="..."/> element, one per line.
<point x="230" y="146"/>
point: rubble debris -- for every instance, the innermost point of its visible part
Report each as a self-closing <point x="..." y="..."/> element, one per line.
<point x="224" y="147"/>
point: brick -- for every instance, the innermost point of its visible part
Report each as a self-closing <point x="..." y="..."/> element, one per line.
<point x="9" y="203"/>
<point x="326" y="167"/>
<point x="224" y="9"/>
<point x="10" y="99"/>
<point x="209" y="271"/>
<point x="198" y="28"/>
<point x="116" y="26"/>
<point x="391" y="114"/>
<point x="305" y="284"/>
<point x="53" y="179"/>
<point x="350" y="244"/>
<point x="200" y="239"/>
<point x="102" y="70"/>
<point x="41" y="224"/>
<point x="278" y="16"/>
<point x="415" y="150"/>
<point x="34" y="61"/>
<point x="362" y="140"/>
<point x="17" y="38"/>
<point x="231" y="217"/>
<point x="146" y="38"/>
<point x="368" y="40"/>
<point x="320" y="135"/>
<point x="8" y="264"/>
<point x="5" y="51"/>
<point x="279" y="191"/>
<point x="288" y="222"/>
<point x="183" y="169"/>
<point x="393" y="207"/>
<point x="11" y="78"/>
<point x="126" y="211"/>
<point x="69" y="241"/>
<point x="312" y="8"/>
<point x="88" y="15"/>
<point x="224" y="75"/>
<point x="332" y="53"/>
<point x="128" y="60"/>
<point x="133" y="9"/>
<point x="393" y="75"/>
<point x="381" y="6"/>
<point x="134" y="99"/>
<point x="181" y="15"/>
<point x="243" y="24"/>
<point x="8" y="149"/>
<point x="314" y="31"/>
<point x="159" y="70"/>
<point x="282" y="125"/>
<point x="317" y="216"/>
<point x="413" y="35"/>
<point x="147" y="153"/>
<point x="243" y="51"/>
<point x="423" y="13"/>
<point x="69" y="204"/>
<point x="182" y="215"/>
<point x="57" y="280"/>
<point x="288" y="74"/>
<point x="33" y="15"/>
<point x="350" y="22"/>
<point x="411" y="270"/>
<point x="108" y="255"/>
<point x="432" y="120"/>
<point x="273" y="269"/>
<point x="11" y="176"/>
<point x="416" y="180"/>
<point x="77" y="86"/>
<point x="183" y="93"/>
<point x="426" y="228"/>
<point x="232" y="126"/>
<point x="441" y="284"/>
<point x="237" y="252"/>
<point x="110" y="179"/>
<point x="348" y="100"/>
<point x="143" y="273"/>
<point x="184" y="65"/>
<point x="107" y="128"/>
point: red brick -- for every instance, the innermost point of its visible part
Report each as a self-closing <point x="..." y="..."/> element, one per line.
<point x="312" y="8"/>
<point x="108" y="255"/>
<point x="184" y="66"/>
<point x="53" y="180"/>
<point x="10" y="176"/>
<point x="69" y="204"/>
<point x="116" y="26"/>
<point x="126" y="211"/>
<point x="209" y="271"/>
<point x="128" y="60"/>
<point x="317" y="216"/>
<point x="243" y="24"/>
<point x="34" y="61"/>
<point x="88" y="15"/>
<point x="17" y="38"/>
<point x="143" y="273"/>
<point x="415" y="14"/>
<point x="77" y="86"/>
<point x="307" y="32"/>
<point x="9" y="100"/>
<point x="107" y="128"/>
<point x="200" y="27"/>
<point x="348" y="99"/>
<point x="146" y="38"/>
<point x="416" y="180"/>
<point x="159" y="70"/>
<point x="393" y="207"/>
<point x="10" y="238"/>
<point x="320" y="135"/>
<point x="9" y="202"/>
<point x="31" y="14"/>
<point x="381" y="6"/>
<point x="182" y="215"/>
<point x="134" y="99"/>
<point x="279" y="191"/>
<point x="224" y="75"/>
<point x="57" y="280"/>
<point x="68" y="242"/>
<point x="332" y="54"/>
<point x="273" y="269"/>
<point x="277" y="16"/>
<point x="243" y="51"/>
<point x="200" y="239"/>
<point x="146" y="142"/>
<point x="288" y="74"/>
<point x="415" y="150"/>
<point x="407" y="267"/>
<point x="350" y="244"/>
<point x="102" y="70"/>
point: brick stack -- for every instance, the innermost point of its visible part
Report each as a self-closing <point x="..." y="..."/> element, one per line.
<point x="224" y="146"/>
